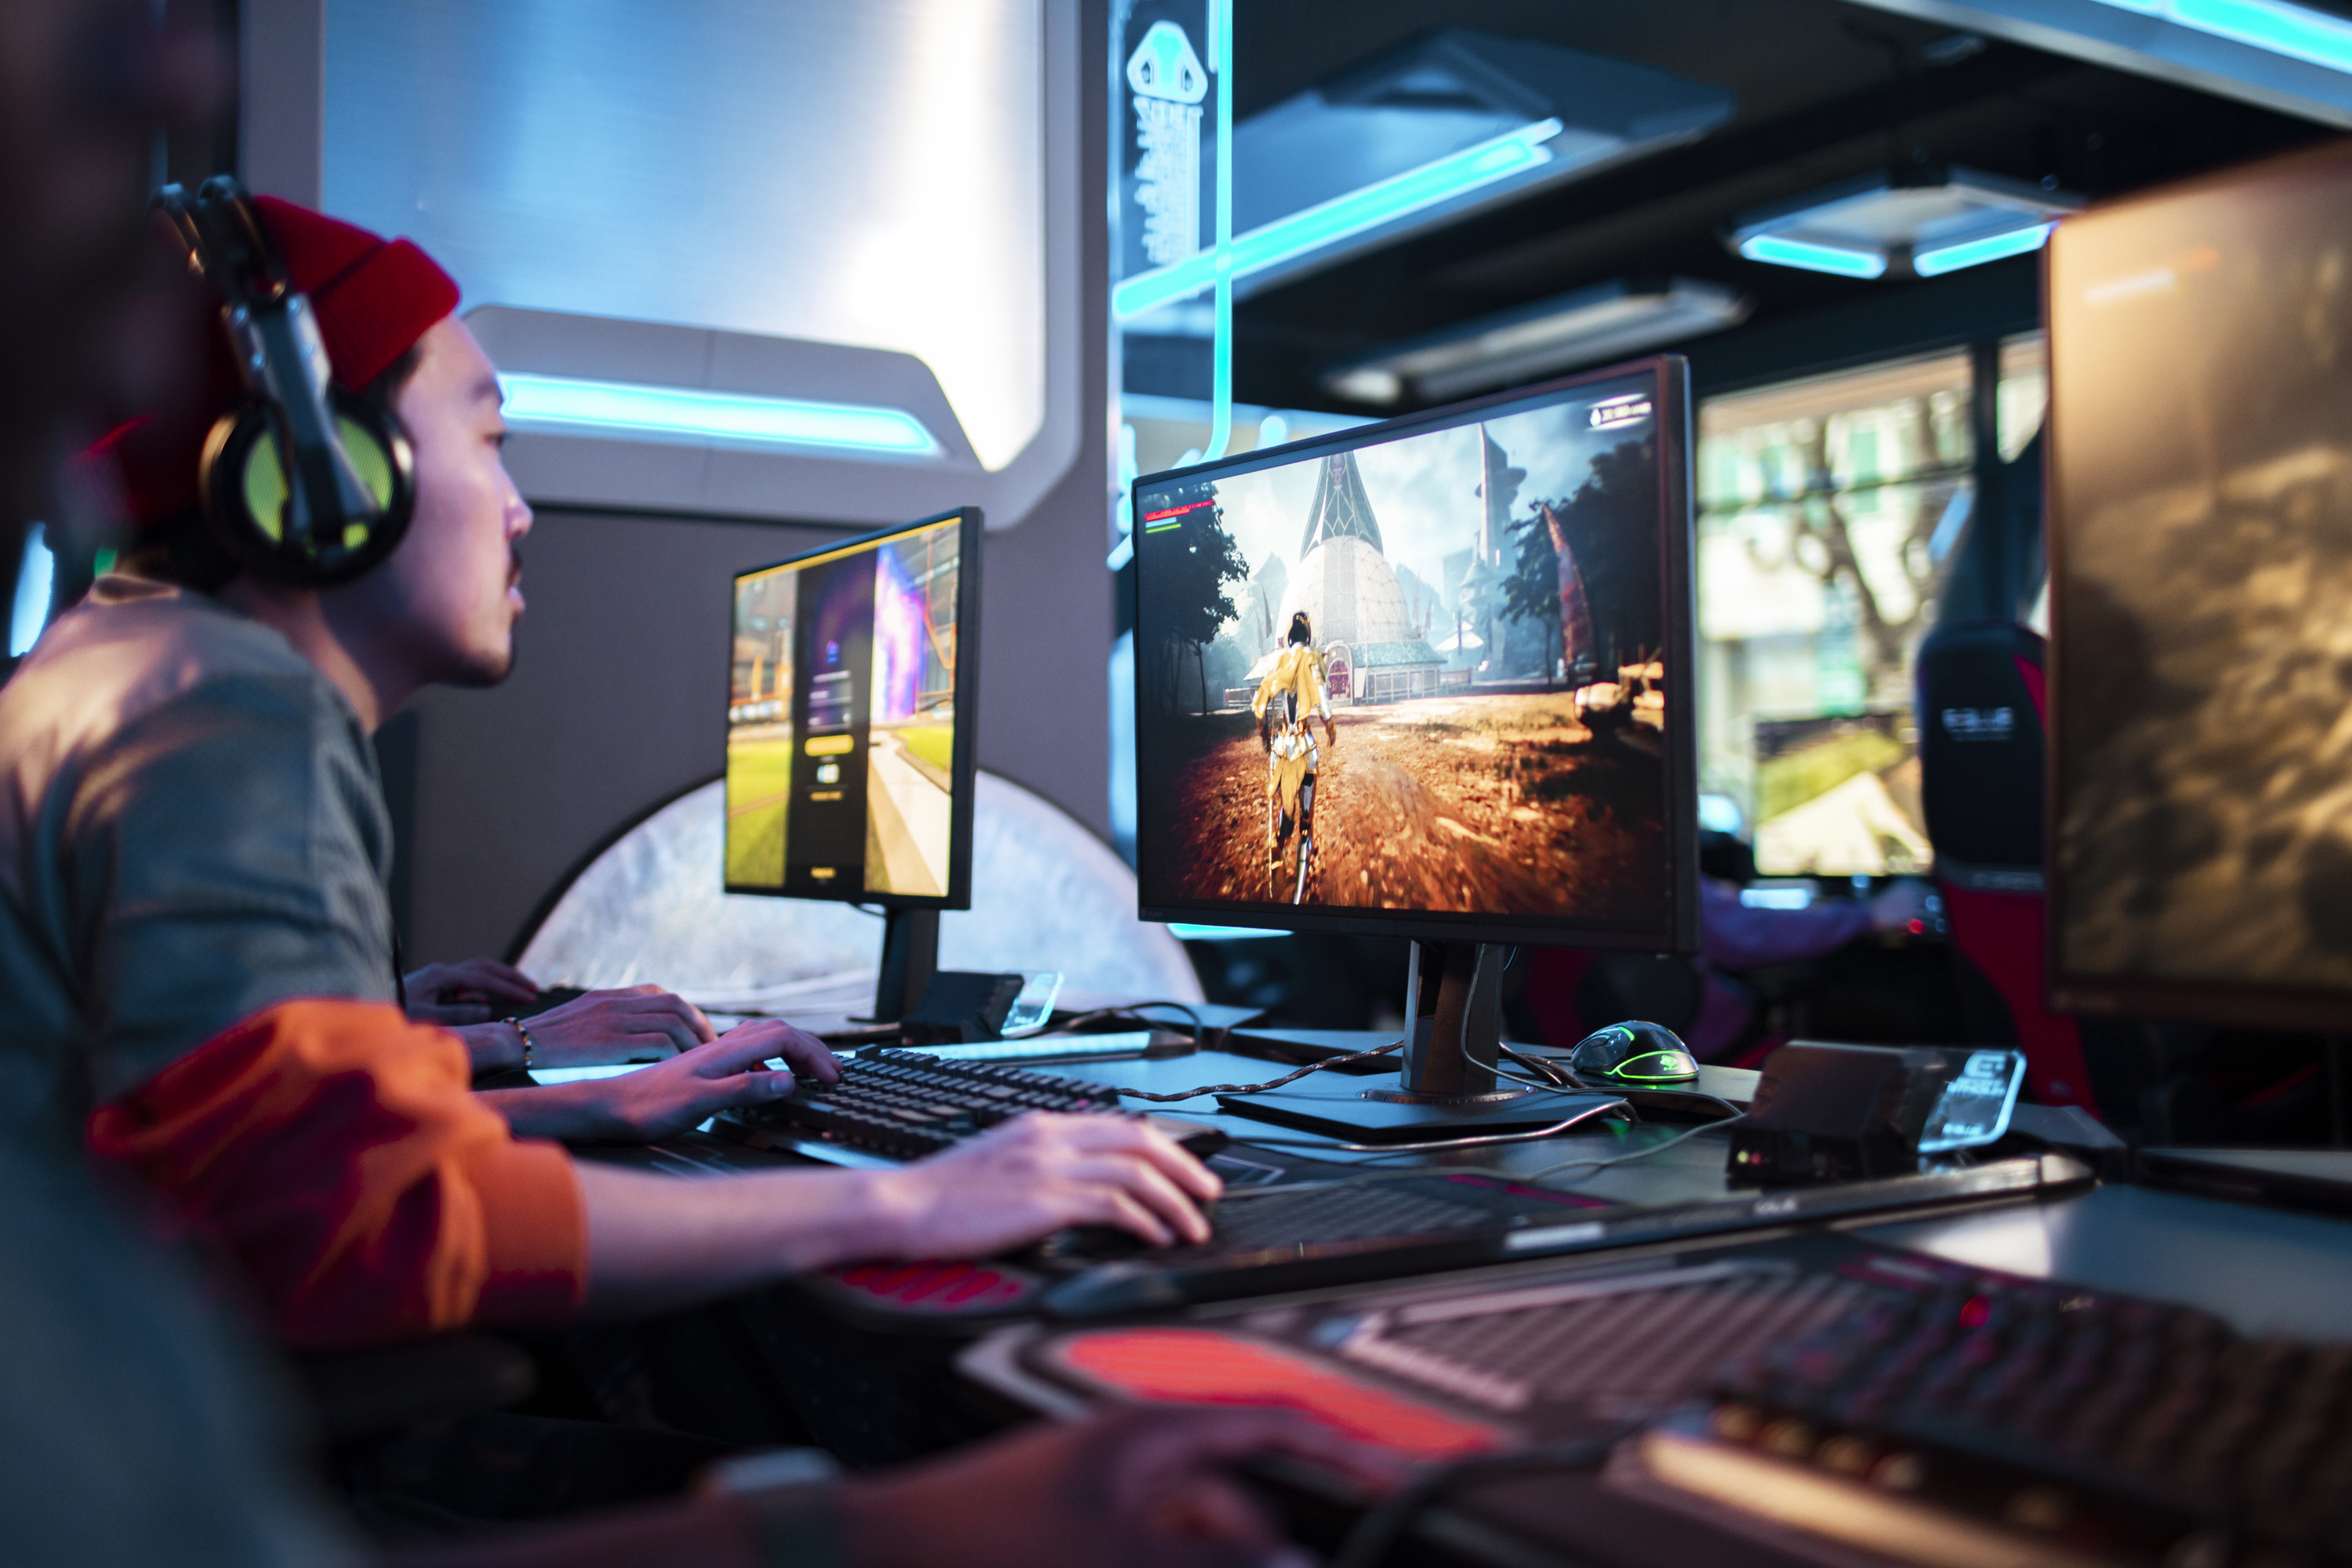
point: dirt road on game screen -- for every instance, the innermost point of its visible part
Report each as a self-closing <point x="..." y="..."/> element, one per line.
<point x="1501" y="804"/>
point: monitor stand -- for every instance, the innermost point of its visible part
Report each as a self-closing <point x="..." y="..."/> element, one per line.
<point x="911" y="956"/>
<point x="1447" y="1087"/>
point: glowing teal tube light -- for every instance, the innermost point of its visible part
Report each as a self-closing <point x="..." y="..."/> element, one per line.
<point x="1977" y="252"/>
<point x="1782" y="251"/>
<point x="559" y="403"/>
<point x="1221" y="347"/>
<point x="2297" y="31"/>
<point x="1343" y="217"/>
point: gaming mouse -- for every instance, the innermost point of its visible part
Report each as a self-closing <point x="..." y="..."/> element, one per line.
<point x="1635" y="1053"/>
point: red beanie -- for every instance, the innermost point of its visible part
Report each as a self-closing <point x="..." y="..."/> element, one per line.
<point x="374" y="299"/>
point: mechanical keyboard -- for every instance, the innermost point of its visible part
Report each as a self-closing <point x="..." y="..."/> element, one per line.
<point x="2095" y="1426"/>
<point x="905" y="1104"/>
<point x="1834" y="1401"/>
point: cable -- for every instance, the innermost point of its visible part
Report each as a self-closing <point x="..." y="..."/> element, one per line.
<point x="1421" y="1173"/>
<point x="1129" y="1010"/>
<point x="1377" y="1532"/>
<point x="1658" y="1148"/>
<point x="1522" y="1178"/>
<point x="1540" y="1086"/>
<point x="1261" y="1087"/>
<point x="1561" y="1075"/>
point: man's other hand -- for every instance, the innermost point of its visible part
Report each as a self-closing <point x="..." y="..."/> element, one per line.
<point x="1903" y="905"/>
<point x="1151" y="1488"/>
<point x="640" y="1023"/>
<point x="1033" y="1175"/>
<point x="671" y="1096"/>
<point x="454" y="994"/>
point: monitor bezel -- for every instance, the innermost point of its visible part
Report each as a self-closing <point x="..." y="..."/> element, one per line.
<point x="964" y="774"/>
<point x="2105" y="994"/>
<point x="1670" y="376"/>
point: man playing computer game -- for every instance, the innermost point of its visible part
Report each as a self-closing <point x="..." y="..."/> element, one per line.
<point x="195" y="929"/>
<point x="134" y="1432"/>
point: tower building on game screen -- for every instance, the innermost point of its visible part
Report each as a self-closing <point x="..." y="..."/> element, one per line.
<point x="1350" y="593"/>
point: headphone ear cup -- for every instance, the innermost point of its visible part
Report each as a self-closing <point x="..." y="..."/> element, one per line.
<point x="244" y="485"/>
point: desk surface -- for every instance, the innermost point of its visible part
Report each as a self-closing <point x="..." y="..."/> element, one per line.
<point x="2265" y="1270"/>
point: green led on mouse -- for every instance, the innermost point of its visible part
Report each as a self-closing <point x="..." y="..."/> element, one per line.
<point x="1635" y="1053"/>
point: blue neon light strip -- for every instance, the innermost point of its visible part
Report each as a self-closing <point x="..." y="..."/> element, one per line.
<point x="675" y="413"/>
<point x="36" y="581"/>
<point x="1343" y="217"/>
<point x="1221" y="342"/>
<point x="2297" y="31"/>
<point x="1184" y="933"/>
<point x="1781" y="251"/>
<point x="1975" y="252"/>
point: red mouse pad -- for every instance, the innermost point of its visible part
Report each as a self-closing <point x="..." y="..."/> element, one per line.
<point x="1203" y="1366"/>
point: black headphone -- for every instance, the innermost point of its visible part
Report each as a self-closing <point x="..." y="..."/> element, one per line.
<point x="346" y="498"/>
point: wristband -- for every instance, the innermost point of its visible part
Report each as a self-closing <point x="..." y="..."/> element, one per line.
<point x="794" y="1500"/>
<point x="523" y="1034"/>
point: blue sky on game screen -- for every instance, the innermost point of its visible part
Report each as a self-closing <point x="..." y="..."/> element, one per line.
<point x="1425" y="488"/>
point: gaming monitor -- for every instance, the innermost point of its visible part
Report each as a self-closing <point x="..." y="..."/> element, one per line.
<point x="1837" y="794"/>
<point x="849" y="734"/>
<point x="2200" y="526"/>
<point x="1430" y="678"/>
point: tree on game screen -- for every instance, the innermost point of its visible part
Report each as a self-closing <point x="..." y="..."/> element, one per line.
<point x="1605" y="525"/>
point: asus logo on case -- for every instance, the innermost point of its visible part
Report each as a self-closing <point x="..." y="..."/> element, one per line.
<point x="1980" y="723"/>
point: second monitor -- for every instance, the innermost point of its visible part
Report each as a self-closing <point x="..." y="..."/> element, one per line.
<point x="849" y="735"/>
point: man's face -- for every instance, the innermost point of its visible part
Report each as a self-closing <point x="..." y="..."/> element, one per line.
<point x="447" y="602"/>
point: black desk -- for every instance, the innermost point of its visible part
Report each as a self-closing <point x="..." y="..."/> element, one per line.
<point x="879" y="1397"/>
<point x="2262" y="1270"/>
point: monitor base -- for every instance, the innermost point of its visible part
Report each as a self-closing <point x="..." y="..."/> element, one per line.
<point x="1340" y="1108"/>
<point x="1415" y="1097"/>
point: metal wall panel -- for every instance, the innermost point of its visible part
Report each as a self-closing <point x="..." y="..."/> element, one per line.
<point x="873" y="174"/>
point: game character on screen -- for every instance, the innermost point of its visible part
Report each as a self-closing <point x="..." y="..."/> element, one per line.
<point x="1291" y="696"/>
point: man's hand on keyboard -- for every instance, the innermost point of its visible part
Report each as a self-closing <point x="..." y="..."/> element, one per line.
<point x="640" y="1023"/>
<point x="467" y="992"/>
<point x="668" y="1098"/>
<point x="1033" y="1175"/>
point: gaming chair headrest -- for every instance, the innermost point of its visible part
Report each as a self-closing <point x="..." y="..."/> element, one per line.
<point x="1981" y="746"/>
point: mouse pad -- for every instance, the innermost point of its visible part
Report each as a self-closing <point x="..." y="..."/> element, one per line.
<point x="1209" y="1366"/>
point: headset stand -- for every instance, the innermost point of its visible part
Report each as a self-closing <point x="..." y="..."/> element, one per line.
<point x="911" y="956"/>
<point x="1447" y="1085"/>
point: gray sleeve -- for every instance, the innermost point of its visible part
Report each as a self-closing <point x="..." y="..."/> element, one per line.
<point x="227" y="851"/>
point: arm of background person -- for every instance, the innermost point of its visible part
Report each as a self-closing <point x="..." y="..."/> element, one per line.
<point x="1142" y="1487"/>
<point x="1736" y="937"/>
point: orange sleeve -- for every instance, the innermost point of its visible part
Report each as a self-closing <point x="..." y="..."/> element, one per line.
<point x="335" y="1152"/>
